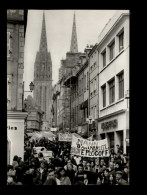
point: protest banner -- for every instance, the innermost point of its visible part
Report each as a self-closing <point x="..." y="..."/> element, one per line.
<point x="86" y="148"/>
<point x="65" y="137"/>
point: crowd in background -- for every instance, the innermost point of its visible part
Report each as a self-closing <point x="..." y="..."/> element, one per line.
<point x="67" y="169"/>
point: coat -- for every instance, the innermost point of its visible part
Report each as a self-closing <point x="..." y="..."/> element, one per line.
<point x="66" y="181"/>
<point x="40" y="177"/>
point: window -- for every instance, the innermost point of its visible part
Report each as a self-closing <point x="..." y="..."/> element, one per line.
<point x="84" y="83"/>
<point x="87" y="80"/>
<point x="121" y="85"/>
<point x="121" y="41"/>
<point x="104" y="95"/>
<point x="8" y="44"/>
<point x="95" y="85"/>
<point x="91" y="112"/>
<point x="104" y="58"/>
<point x="91" y="88"/>
<point x="112" y="47"/>
<point x="95" y="113"/>
<point x="111" y="91"/>
<point x="79" y="86"/>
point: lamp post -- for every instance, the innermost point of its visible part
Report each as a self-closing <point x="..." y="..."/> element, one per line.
<point x="23" y="91"/>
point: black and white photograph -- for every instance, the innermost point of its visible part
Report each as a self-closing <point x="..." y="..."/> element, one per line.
<point x="68" y="86"/>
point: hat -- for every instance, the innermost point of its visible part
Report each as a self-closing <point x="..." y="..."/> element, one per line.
<point x="119" y="172"/>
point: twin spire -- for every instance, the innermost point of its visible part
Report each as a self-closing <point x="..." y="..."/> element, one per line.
<point x="74" y="44"/>
<point x="43" y="39"/>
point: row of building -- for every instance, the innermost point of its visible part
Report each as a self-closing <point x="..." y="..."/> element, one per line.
<point x="94" y="85"/>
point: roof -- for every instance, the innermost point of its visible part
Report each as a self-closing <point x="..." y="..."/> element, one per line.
<point x="111" y="23"/>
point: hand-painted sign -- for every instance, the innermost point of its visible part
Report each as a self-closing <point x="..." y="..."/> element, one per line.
<point x="83" y="147"/>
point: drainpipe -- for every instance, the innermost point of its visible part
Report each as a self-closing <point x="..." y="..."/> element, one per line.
<point x="98" y="94"/>
<point x="89" y="92"/>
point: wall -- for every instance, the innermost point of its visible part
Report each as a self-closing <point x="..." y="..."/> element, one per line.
<point x="93" y="69"/>
<point x="119" y="63"/>
<point x="16" y="138"/>
<point x="15" y="65"/>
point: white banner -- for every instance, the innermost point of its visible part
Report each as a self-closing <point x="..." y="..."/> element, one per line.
<point x="86" y="148"/>
<point x="65" y="137"/>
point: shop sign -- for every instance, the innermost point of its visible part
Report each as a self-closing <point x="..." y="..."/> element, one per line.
<point x="11" y="128"/>
<point x="109" y="124"/>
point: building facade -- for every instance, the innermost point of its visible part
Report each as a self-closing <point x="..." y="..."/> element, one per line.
<point x="56" y="93"/>
<point x="35" y="115"/>
<point x="43" y="79"/>
<point x="113" y="59"/>
<point x="93" y="92"/>
<point x="15" y="69"/>
<point x="68" y="66"/>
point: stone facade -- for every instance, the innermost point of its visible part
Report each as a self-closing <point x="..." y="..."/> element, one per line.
<point x="15" y="60"/>
<point x="15" y="69"/>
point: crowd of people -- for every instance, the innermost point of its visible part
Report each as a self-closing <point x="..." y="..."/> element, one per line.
<point x="67" y="169"/>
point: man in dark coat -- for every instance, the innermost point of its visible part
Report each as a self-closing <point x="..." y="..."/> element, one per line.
<point x="119" y="179"/>
<point x="41" y="174"/>
<point x="79" y="175"/>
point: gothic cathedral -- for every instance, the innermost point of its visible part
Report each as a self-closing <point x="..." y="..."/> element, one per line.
<point x="43" y="79"/>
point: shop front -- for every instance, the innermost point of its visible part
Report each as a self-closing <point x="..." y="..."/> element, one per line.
<point x="15" y="135"/>
<point x="114" y="128"/>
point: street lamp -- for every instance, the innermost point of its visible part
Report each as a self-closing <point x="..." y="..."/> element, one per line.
<point x="31" y="89"/>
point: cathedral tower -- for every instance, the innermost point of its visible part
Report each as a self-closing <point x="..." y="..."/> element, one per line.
<point x="43" y="78"/>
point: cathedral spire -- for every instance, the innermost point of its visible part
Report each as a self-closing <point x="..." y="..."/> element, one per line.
<point x="43" y="39"/>
<point x="74" y="44"/>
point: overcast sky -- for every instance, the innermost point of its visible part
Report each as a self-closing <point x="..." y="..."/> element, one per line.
<point x="89" y="24"/>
